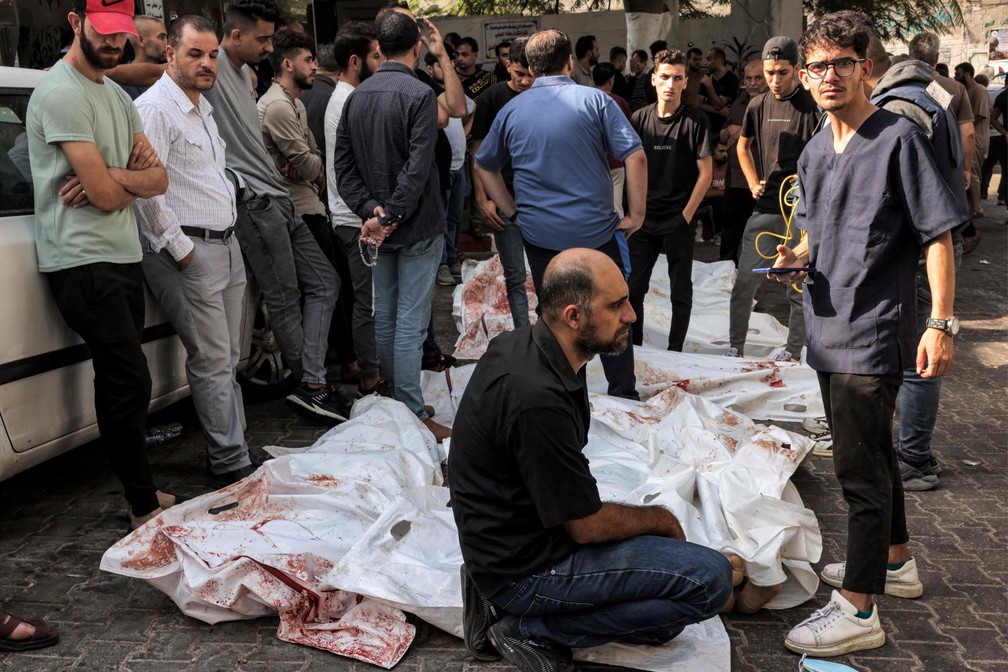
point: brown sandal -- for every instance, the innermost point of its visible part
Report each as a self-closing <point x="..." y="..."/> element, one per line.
<point x="44" y="634"/>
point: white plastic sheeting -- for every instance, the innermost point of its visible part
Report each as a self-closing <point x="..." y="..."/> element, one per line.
<point x="481" y="311"/>
<point x="339" y="539"/>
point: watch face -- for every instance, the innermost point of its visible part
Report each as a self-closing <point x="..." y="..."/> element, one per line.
<point x="953" y="325"/>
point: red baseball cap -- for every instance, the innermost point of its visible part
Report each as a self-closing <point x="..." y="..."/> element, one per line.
<point x="109" y="16"/>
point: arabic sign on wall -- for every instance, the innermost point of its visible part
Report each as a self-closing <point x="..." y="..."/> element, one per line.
<point x="496" y="32"/>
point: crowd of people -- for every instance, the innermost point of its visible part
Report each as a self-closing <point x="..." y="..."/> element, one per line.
<point x="338" y="177"/>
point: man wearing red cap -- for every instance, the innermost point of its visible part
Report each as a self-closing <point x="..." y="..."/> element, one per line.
<point x="90" y="161"/>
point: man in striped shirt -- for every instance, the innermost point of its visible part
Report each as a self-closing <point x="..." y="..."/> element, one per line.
<point x="193" y="264"/>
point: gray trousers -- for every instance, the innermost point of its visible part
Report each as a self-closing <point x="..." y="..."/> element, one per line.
<point x="747" y="282"/>
<point x="362" y="321"/>
<point x="205" y="303"/>
<point x="284" y="256"/>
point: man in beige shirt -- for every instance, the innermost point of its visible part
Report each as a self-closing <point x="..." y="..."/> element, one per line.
<point x="980" y="102"/>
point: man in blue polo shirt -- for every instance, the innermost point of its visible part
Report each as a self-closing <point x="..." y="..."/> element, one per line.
<point x="556" y="136"/>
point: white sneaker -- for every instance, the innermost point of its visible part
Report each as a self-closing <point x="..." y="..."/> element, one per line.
<point x="732" y="352"/>
<point x="835" y="630"/>
<point x="816" y="425"/>
<point x="902" y="582"/>
<point x="785" y="356"/>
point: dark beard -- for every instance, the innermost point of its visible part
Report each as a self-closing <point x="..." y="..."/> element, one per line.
<point x="588" y="344"/>
<point x="365" y="70"/>
<point x="99" y="59"/>
<point x="302" y="82"/>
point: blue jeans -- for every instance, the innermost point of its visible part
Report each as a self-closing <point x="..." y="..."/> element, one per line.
<point x="643" y="590"/>
<point x="403" y="289"/>
<point x="512" y="255"/>
<point x="919" y="397"/>
<point x="460" y="187"/>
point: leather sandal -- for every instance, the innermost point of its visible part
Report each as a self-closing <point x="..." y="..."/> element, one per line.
<point x="44" y="634"/>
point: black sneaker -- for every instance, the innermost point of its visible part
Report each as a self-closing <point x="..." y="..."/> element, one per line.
<point x="382" y="388"/>
<point x="339" y="399"/>
<point x="478" y="614"/>
<point x="526" y="655"/>
<point x="320" y="403"/>
<point x="918" y="477"/>
<point x="228" y="477"/>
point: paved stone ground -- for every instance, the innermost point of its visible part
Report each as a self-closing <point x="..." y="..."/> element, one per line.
<point x="60" y="517"/>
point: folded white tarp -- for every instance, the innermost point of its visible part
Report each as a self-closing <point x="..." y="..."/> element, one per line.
<point x="339" y="539"/>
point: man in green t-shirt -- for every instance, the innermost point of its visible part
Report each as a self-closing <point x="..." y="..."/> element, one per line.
<point x="90" y="160"/>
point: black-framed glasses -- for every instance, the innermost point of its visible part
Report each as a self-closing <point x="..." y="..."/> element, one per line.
<point x="843" y="67"/>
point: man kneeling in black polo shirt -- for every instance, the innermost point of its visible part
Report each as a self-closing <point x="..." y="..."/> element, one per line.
<point x="536" y="539"/>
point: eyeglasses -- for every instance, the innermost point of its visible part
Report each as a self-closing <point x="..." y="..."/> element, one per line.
<point x="843" y="67"/>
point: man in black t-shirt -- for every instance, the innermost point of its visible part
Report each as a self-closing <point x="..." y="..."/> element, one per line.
<point x="507" y="235"/>
<point x="474" y="79"/>
<point x="676" y="140"/>
<point x="776" y="127"/>
<point x="548" y="565"/>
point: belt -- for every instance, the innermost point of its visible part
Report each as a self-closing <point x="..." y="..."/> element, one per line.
<point x="208" y="234"/>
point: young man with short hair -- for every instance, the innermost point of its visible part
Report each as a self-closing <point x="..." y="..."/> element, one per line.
<point x="878" y="170"/>
<point x="604" y="76"/>
<point x="474" y="79"/>
<point x="148" y="47"/>
<point x="676" y="141"/>
<point x="586" y="57"/>
<point x="622" y="87"/>
<point x="503" y="53"/>
<point x="776" y="126"/>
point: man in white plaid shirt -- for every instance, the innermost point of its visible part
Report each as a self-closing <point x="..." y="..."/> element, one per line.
<point x="193" y="263"/>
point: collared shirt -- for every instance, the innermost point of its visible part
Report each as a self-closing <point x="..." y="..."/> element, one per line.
<point x="187" y="141"/>
<point x="288" y="140"/>
<point x="517" y="467"/>
<point x="557" y="135"/>
<point x="582" y="76"/>
<point x="384" y="153"/>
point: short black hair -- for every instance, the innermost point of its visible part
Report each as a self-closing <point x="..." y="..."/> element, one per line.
<point x="351" y="42"/>
<point x="615" y="52"/>
<point x="286" y="44"/>
<point x="693" y="50"/>
<point x="568" y="285"/>
<point x="518" y="52"/>
<point x="241" y="13"/>
<point x="842" y="29"/>
<point x="397" y="34"/>
<point x="602" y="73"/>
<point x="640" y="54"/>
<point x="967" y="68"/>
<point x="942" y="69"/>
<point x="501" y="45"/>
<point x="719" y="52"/>
<point x="194" y="21"/>
<point x="667" y="57"/>
<point x="656" y="46"/>
<point x="584" y="46"/>
<point x="389" y="7"/>
<point x="471" y="41"/>
<point x="548" y="52"/>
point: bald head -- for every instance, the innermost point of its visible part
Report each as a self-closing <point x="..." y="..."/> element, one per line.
<point x="150" y="41"/>
<point x="570" y="280"/>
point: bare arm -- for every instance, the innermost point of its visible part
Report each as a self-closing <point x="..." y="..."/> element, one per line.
<point x="615" y="522"/>
<point x="486" y="206"/>
<point x="636" y="185"/>
<point x="144" y="176"/>
<point x="969" y="148"/>
<point x="935" y="351"/>
<point x="104" y="186"/>
<point x="495" y="188"/>
<point x="997" y="122"/>
<point x="136" y="74"/>
<point x="703" y="183"/>
<point x="748" y="166"/>
<point x="454" y="100"/>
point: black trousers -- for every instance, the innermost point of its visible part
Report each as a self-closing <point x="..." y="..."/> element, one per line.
<point x="104" y="304"/>
<point x="860" y="413"/>
<point x="340" y="331"/>
<point x="619" y="369"/>
<point x="645" y="246"/>
<point x="735" y="212"/>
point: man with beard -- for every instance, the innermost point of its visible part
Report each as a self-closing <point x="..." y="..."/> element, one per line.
<point x="507" y="236"/>
<point x="356" y="55"/>
<point x="149" y="47"/>
<point x="695" y="76"/>
<point x="474" y="79"/>
<point x="194" y="266"/>
<point x="503" y="53"/>
<point x="548" y="565"/>
<point x="776" y="126"/>
<point x="676" y="141"/>
<point x="90" y="160"/>
<point x="872" y="198"/>
<point x="586" y="55"/>
<point x="277" y="244"/>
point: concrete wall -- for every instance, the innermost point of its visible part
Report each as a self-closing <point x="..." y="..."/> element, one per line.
<point x="752" y="20"/>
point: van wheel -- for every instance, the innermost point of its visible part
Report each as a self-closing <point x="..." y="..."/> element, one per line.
<point x="265" y="375"/>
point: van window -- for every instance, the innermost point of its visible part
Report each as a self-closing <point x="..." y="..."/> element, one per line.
<point x="16" y="196"/>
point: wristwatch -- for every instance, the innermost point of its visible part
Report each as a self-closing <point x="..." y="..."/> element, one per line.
<point x="949" y="326"/>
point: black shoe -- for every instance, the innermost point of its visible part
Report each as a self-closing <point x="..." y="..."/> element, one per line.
<point x="382" y="388"/>
<point x="228" y="477"/>
<point x="321" y="403"/>
<point x="478" y="614"/>
<point x="438" y="364"/>
<point x="525" y="654"/>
